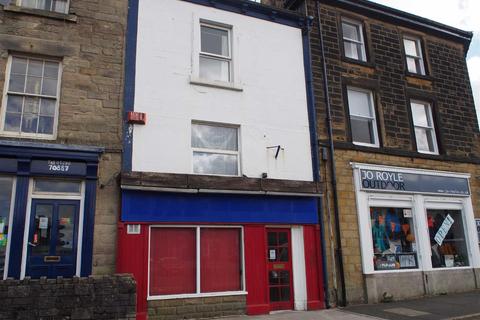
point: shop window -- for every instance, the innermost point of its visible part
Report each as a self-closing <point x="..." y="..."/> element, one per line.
<point x="6" y="193"/>
<point x="447" y="238"/>
<point x="60" y="6"/>
<point x="363" y="122"/>
<point x="394" y="243"/>
<point x="215" y="149"/>
<point x="215" y="53"/>
<point x="414" y="55"/>
<point x="175" y="255"/>
<point x="31" y="98"/>
<point x="353" y="42"/>
<point x="424" y="127"/>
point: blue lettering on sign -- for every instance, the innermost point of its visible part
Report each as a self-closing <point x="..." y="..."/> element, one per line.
<point x="410" y="182"/>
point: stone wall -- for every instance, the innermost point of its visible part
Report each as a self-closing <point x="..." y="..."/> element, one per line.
<point x="89" y="41"/>
<point x="96" y="297"/>
<point x="196" y="308"/>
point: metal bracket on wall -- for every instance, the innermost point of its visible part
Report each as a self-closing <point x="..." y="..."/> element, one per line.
<point x="279" y="147"/>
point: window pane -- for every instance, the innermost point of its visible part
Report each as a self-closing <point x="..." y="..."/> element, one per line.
<point x="12" y="122"/>
<point x="42" y="229"/>
<point x="16" y="83"/>
<point x="57" y="186"/>
<point x="353" y="50"/>
<point x="412" y="65"/>
<point x="172" y="261"/>
<point x="359" y="103"/>
<point x="47" y="107"/>
<point x="31" y="105"/>
<point x="214" y="41"/>
<point x="14" y="104"/>
<point x="351" y="31"/>
<point x="33" y="85"/>
<point x="60" y="6"/>
<point x="393" y="234"/>
<point x="421" y="114"/>
<point x="425" y="139"/>
<point x="410" y="47"/>
<point x="35" y="68"/>
<point x="66" y="225"/>
<point x="29" y="3"/>
<point x="447" y="238"/>
<point x="45" y="125"/>
<point x="49" y="87"/>
<point x="19" y="65"/>
<point x="362" y="130"/>
<point x="214" y="69"/>
<point x="29" y="123"/>
<point x="220" y="259"/>
<point x="6" y="185"/>
<point x="212" y="163"/>
<point x="51" y="70"/>
<point x="214" y="137"/>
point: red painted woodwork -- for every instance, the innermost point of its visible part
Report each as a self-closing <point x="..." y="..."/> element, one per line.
<point x="313" y="268"/>
<point x="255" y="268"/>
<point x="173" y="265"/>
<point x="132" y="257"/>
<point x="220" y="259"/>
<point x="279" y="268"/>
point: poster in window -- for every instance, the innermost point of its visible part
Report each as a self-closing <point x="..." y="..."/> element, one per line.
<point x="408" y="261"/>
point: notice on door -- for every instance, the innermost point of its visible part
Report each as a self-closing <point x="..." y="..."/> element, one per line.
<point x="442" y="232"/>
<point x="43" y="223"/>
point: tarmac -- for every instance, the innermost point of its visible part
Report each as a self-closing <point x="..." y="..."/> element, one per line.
<point x="463" y="306"/>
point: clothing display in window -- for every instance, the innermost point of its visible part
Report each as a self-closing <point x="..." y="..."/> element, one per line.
<point x="393" y="238"/>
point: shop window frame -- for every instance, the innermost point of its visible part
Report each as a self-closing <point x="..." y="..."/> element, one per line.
<point x="198" y="293"/>
<point x="7" y="92"/>
<point x="10" y="224"/>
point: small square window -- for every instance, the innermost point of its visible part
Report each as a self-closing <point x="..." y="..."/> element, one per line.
<point x="31" y="98"/>
<point x="424" y="127"/>
<point x="60" y="6"/>
<point x="215" y="149"/>
<point x="413" y="55"/>
<point x="362" y="117"/>
<point x="215" y="53"/>
<point x="353" y="42"/>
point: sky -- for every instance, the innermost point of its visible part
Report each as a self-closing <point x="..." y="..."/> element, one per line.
<point x="462" y="14"/>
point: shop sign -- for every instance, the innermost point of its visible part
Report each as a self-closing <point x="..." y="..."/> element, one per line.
<point x="410" y="182"/>
<point x="442" y="232"/>
<point x="8" y="165"/>
<point x="58" y="167"/>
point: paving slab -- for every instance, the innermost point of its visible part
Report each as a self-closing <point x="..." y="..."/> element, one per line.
<point x="331" y="314"/>
<point x="445" y="307"/>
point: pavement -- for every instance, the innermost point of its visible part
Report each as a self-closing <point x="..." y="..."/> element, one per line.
<point x="464" y="306"/>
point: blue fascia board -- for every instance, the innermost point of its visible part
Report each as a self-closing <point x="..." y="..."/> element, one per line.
<point x="162" y="207"/>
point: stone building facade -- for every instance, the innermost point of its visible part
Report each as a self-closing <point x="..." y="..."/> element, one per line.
<point x="399" y="64"/>
<point x="61" y="71"/>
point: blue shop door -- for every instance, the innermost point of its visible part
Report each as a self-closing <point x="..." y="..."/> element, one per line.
<point x="52" y="240"/>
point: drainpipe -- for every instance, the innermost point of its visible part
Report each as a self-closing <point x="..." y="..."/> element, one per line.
<point x="339" y="254"/>
<point x="314" y="146"/>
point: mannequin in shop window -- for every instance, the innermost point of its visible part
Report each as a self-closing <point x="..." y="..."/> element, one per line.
<point x="379" y="233"/>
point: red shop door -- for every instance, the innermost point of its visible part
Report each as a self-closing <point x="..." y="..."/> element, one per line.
<point x="279" y="266"/>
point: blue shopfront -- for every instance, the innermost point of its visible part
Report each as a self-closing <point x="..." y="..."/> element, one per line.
<point x="47" y="209"/>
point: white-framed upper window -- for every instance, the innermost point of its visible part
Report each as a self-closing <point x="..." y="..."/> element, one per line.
<point x="414" y="55"/>
<point x="424" y="127"/>
<point x="353" y="41"/>
<point x="215" y="149"/>
<point x="215" y="53"/>
<point x="192" y="261"/>
<point x="31" y="97"/>
<point x="363" y="122"/>
<point x="60" y="6"/>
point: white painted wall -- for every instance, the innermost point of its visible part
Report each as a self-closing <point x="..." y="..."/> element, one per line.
<point x="271" y="109"/>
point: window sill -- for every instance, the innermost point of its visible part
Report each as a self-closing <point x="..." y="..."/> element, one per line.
<point x="215" y="84"/>
<point x="418" y="76"/>
<point x="41" y="13"/>
<point x="360" y="63"/>
<point x="26" y="136"/>
<point x="366" y="145"/>
<point x="198" y="295"/>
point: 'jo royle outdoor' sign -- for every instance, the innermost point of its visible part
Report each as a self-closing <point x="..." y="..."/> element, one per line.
<point x="414" y="183"/>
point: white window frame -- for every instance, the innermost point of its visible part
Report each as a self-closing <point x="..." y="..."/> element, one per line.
<point x="217" y="151"/>
<point x="53" y="196"/>
<point x="419" y="202"/>
<point x="198" y="294"/>
<point x="418" y="44"/>
<point x="67" y="7"/>
<point x="227" y="58"/>
<point x="432" y="128"/>
<point x="359" y="26"/>
<point x="376" y="144"/>
<point x="6" y="92"/>
<point x="10" y="225"/>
